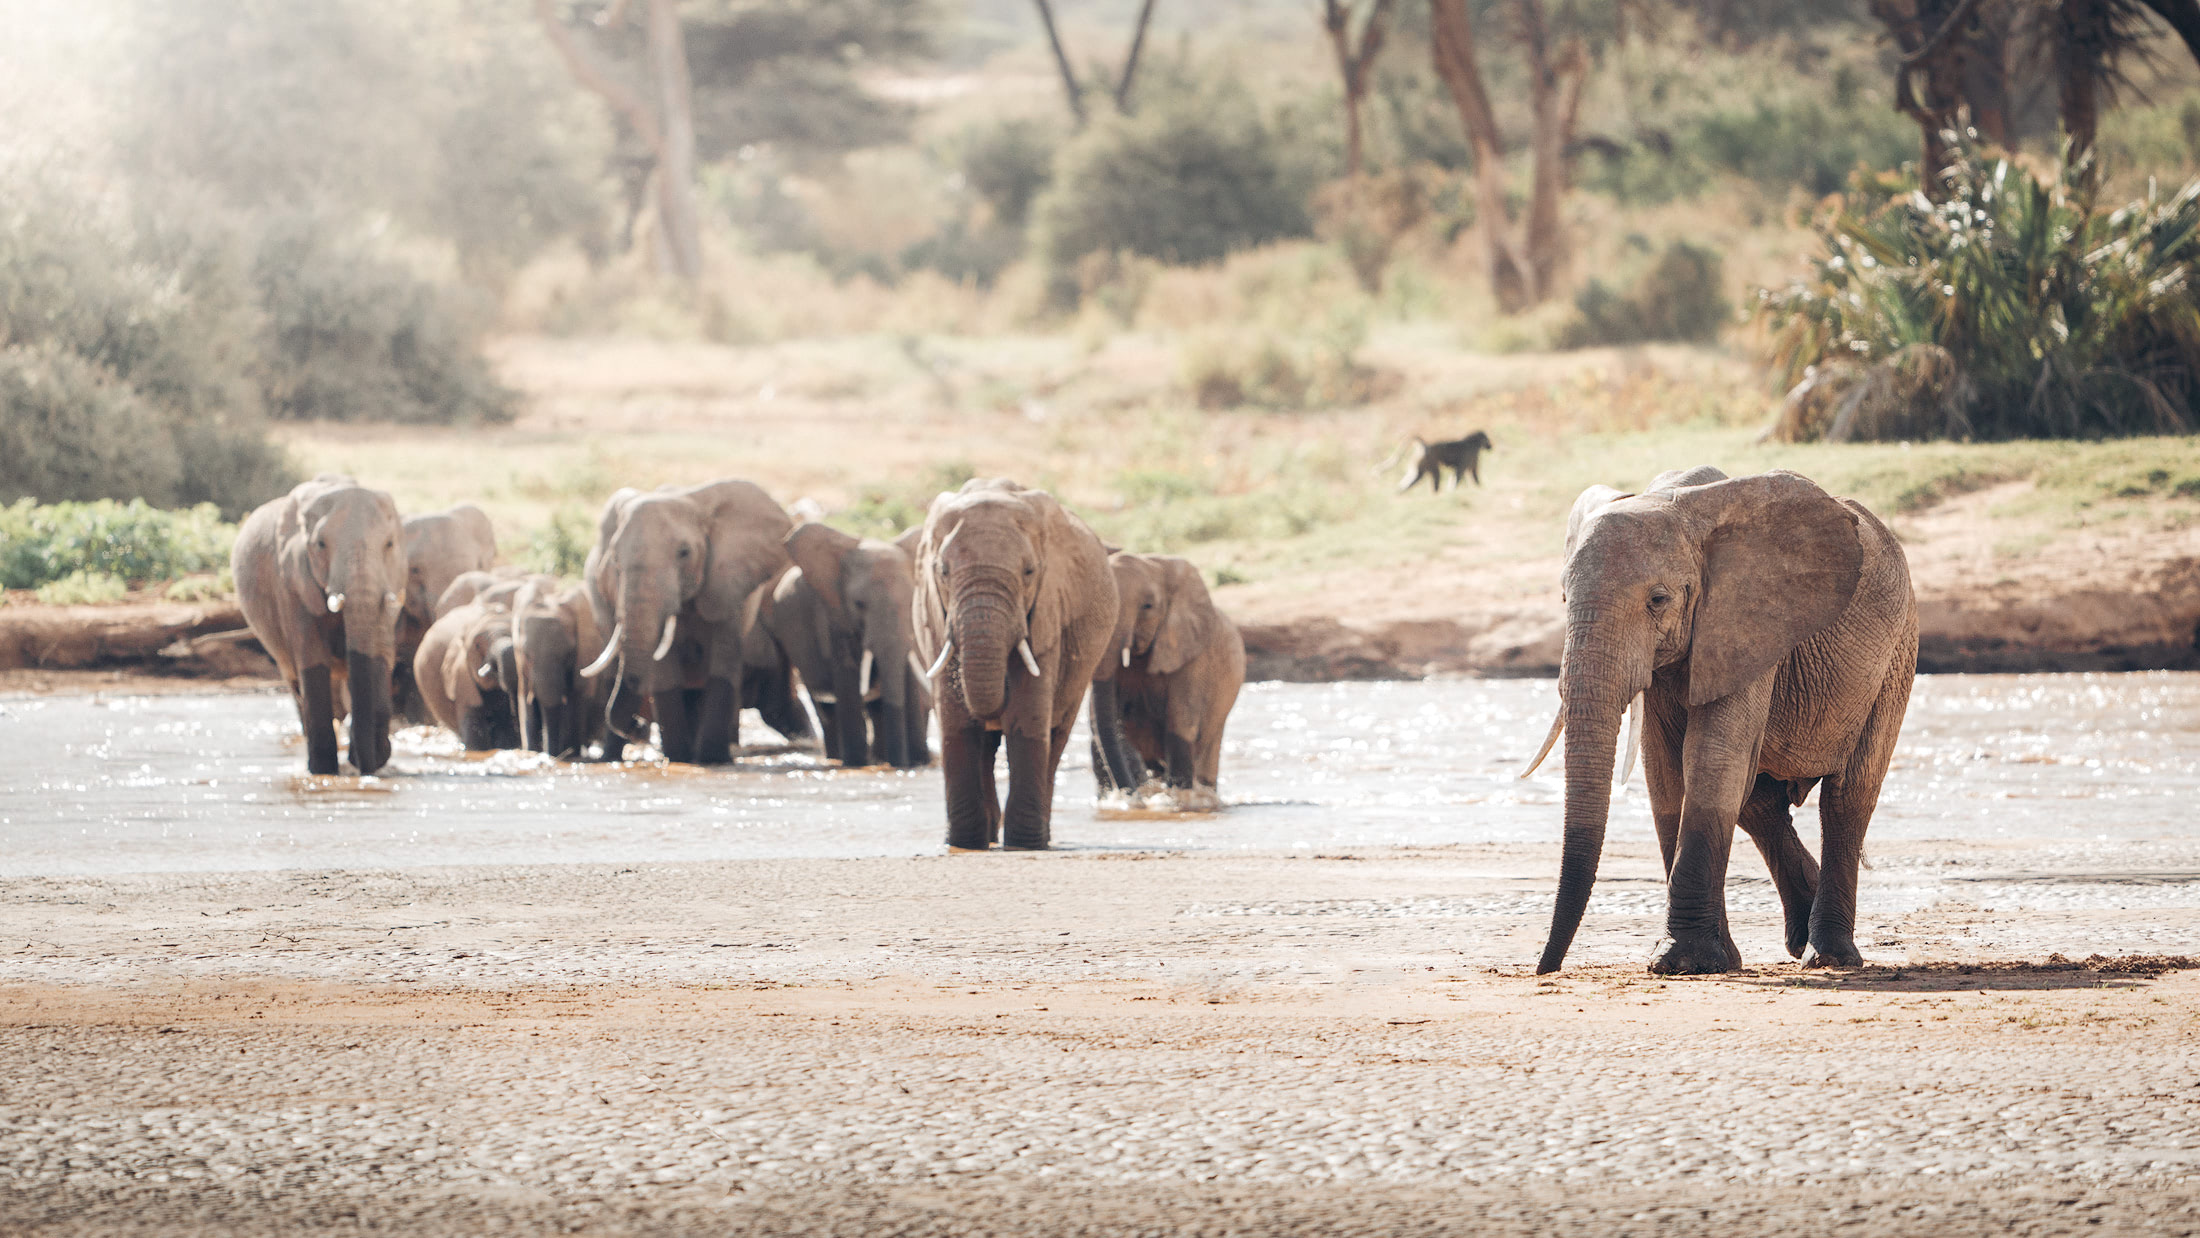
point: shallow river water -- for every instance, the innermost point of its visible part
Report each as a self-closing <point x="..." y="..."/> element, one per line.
<point x="2102" y="766"/>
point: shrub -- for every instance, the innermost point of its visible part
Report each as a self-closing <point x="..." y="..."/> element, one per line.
<point x="82" y="588"/>
<point x="2058" y="319"/>
<point x="1268" y="368"/>
<point x="353" y="336"/>
<point x="1678" y="298"/>
<point x="1188" y="180"/>
<point x="129" y="541"/>
<point x="561" y="547"/>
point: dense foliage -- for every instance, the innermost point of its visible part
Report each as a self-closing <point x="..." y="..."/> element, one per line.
<point x="134" y="542"/>
<point x="2045" y="315"/>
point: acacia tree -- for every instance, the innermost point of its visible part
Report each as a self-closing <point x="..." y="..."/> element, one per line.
<point x="1524" y="269"/>
<point x="662" y="117"/>
<point x="1355" y="64"/>
<point x="1074" y="89"/>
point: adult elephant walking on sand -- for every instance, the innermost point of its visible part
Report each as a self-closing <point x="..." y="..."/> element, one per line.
<point x="843" y="618"/>
<point x="675" y="576"/>
<point x="1162" y="694"/>
<point x="1015" y="605"/>
<point x="318" y="575"/>
<point x="1772" y="632"/>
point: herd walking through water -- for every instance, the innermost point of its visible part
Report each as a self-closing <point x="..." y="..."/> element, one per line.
<point x="1761" y="634"/>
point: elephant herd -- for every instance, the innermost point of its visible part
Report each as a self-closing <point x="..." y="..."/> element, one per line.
<point x="696" y="601"/>
<point x="1766" y="629"/>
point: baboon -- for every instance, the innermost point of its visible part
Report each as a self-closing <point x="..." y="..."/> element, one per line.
<point x="1460" y="455"/>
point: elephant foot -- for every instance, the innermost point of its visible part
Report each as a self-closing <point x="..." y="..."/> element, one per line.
<point x="1798" y="932"/>
<point x="1697" y="955"/>
<point x="1840" y="953"/>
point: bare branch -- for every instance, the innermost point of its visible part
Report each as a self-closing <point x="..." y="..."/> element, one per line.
<point x="591" y="69"/>
<point x="1130" y="58"/>
<point x="1070" y="87"/>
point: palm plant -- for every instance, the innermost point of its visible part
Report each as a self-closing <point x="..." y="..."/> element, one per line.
<point x="2056" y="319"/>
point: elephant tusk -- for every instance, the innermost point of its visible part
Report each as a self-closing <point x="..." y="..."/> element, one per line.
<point x="1633" y="741"/>
<point x="916" y="665"/>
<point x="1126" y="655"/>
<point x="1031" y="663"/>
<point x="941" y="663"/>
<point x="335" y="603"/>
<point x="485" y="671"/>
<point x="664" y="642"/>
<point x="863" y="676"/>
<point x="389" y="598"/>
<point x="1557" y="724"/>
<point x="610" y="651"/>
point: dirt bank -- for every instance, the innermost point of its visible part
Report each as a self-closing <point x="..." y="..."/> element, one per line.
<point x="1096" y="1043"/>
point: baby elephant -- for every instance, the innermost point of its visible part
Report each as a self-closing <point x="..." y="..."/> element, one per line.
<point x="1460" y="455"/>
<point x="1162" y="693"/>
<point x="466" y="669"/>
<point x="554" y="635"/>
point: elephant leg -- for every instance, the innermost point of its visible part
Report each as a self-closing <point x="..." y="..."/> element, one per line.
<point x="317" y="714"/>
<point x="1845" y="805"/>
<point x="915" y="715"/>
<point x="718" y="721"/>
<point x="1177" y="750"/>
<point x="1102" y="780"/>
<point x="1719" y="765"/>
<point x="1113" y="761"/>
<point x="1769" y="824"/>
<point x="675" y="733"/>
<point x="966" y="761"/>
<point x="1024" y="823"/>
<point x="990" y="744"/>
<point x="850" y="714"/>
<point x="1665" y="721"/>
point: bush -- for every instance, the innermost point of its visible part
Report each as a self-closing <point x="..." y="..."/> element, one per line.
<point x="353" y="336"/>
<point x="1678" y="298"/>
<point x="2057" y="320"/>
<point x="1268" y="368"/>
<point x="561" y="547"/>
<point x="129" y="541"/>
<point x="1188" y="180"/>
<point x="82" y="588"/>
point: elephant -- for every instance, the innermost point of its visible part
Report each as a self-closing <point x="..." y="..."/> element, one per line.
<point x="554" y="634"/>
<point x="465" y="587"/>
<point x="767" y="680"/>
<point x="1770" y="630"/>
<point x="438" y="547"/>
<point x="467" y="668"/>
<point x="1015" y="605"/>
<point x="1164" y="688"/>
<point x="318" y="575"/>
<point x="843" y="616"/>
<point x="676" y="575"/>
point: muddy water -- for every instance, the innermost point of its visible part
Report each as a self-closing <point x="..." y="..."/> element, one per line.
<point x="2026" y="777"/>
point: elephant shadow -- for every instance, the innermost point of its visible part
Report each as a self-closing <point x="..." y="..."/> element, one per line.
<point x="2054" y="973"/>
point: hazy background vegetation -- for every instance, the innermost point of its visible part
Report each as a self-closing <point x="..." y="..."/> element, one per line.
<point x="221" y="219"/>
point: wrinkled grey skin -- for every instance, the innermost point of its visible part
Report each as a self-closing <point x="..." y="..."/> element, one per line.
<point x="329" y="536"/>
<point x="998" y="564"/>
<point x="698" y="556"/>
<point x="767" y="684"/>
<point x="844" y="597"/>
<point x="554" y="635"/>
<point x="1773" y="632"/>
<point x="468" y="672"/>
<point x="438" y="547"/>
<point x="465" y="587"/>
<point x="1162" y="710"/>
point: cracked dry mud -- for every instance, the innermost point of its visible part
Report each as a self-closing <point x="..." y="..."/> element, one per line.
<point x="1058" y="1044"/>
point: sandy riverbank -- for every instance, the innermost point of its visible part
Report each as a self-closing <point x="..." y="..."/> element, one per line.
<point x="1080" y="1043"/>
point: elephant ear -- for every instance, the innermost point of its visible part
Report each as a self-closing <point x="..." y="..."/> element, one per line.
<point x="1781" y="561"/>
<point x="910" y="539"/>
<point x="747" y="533"/>
<point x="1073" y="569"/>
<point x="458" y="670"/>
<point x="1190" y="622"/>
<point x="1590" y="502"/>
<point x="820" y="551"/>
<point x="600" y="591"/>
<point x="928" y="608"/>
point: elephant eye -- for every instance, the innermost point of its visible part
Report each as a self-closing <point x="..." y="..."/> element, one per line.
<point x="1659" y="598"/>
<point x="685" y="552"/>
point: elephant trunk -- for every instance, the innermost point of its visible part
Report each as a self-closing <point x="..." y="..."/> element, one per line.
<point x="986" y="624"/>
<point x="1592" y="713"/>
<point x="370" y="709"/>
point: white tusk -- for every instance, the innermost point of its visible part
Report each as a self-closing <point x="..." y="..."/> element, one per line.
<point x="389" y="598"/>
<point x="485" y="671"/>
<point x="863" y="676"/>
<point x="610" y="651"/>
<point x="335" y="603"/>
<point x="916" y="665"/>
<point x="1126" y="655"/>
<point x="664" y="642"/>
<point x="1632" y="742"/>
<point x="1030" y="663"/>
<point x="1557" y="724"/>
<point x="941" y="663"/>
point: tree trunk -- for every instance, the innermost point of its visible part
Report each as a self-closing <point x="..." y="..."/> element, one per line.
<point x="1522" y="272"/>
<point x="1355" y="66"/>
<point x="1929" y="80"/>
<point x="1130" y="59"/>
<point x="1070" y="88"/>
<point x="668" y="67"/>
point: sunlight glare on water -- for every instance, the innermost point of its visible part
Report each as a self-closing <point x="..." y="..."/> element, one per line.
<point x="217" y="783"/>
